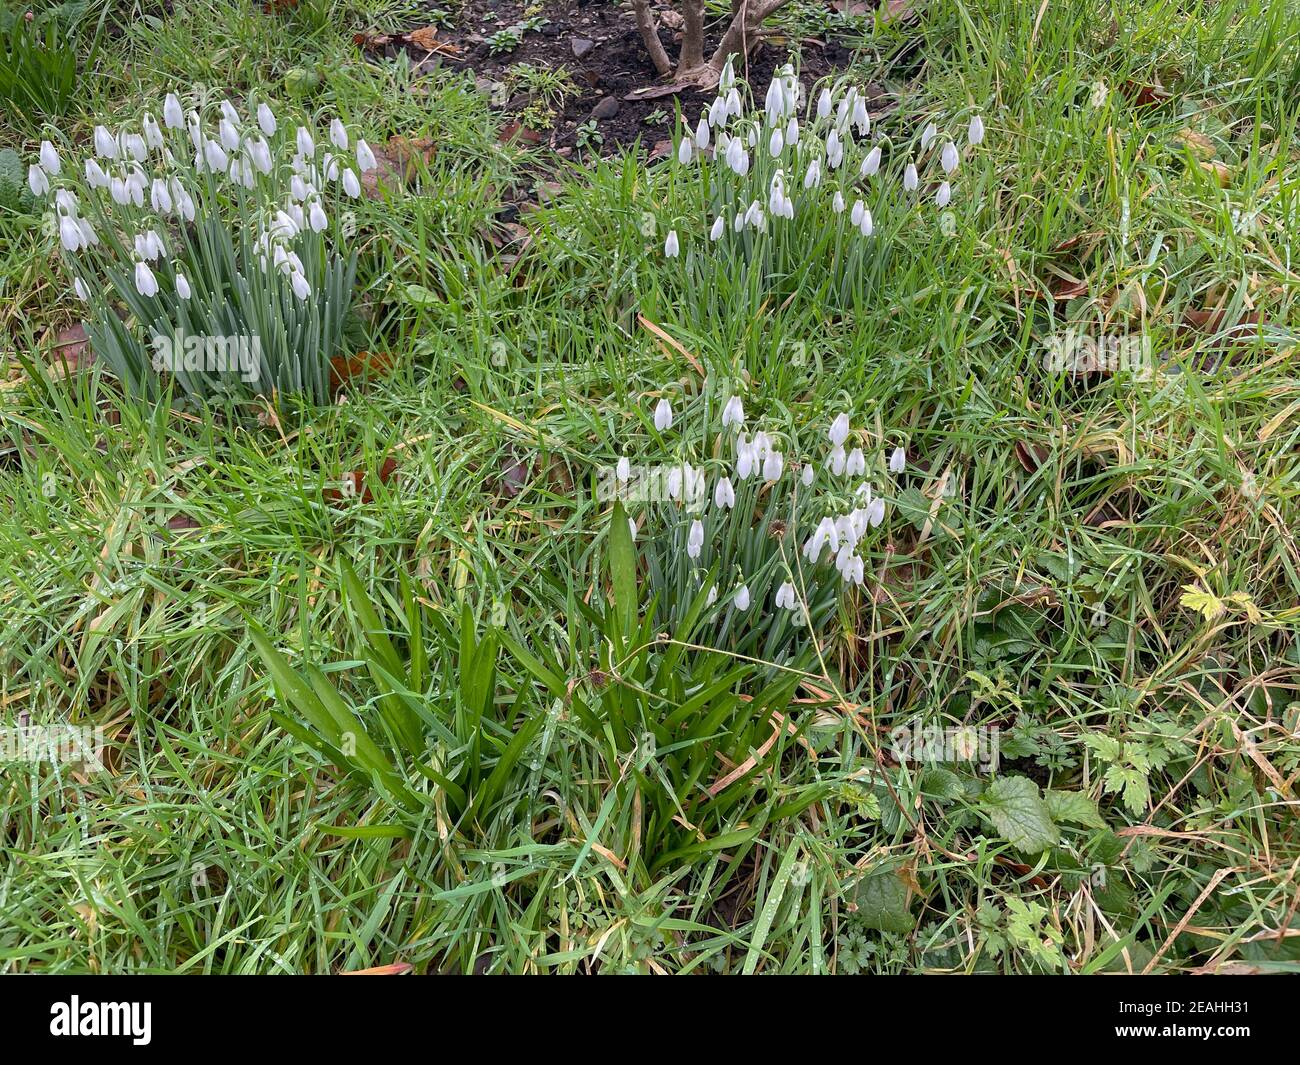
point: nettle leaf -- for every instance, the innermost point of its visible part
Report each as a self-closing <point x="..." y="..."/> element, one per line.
<point x="882" y="903"/>
<point x="1016" y="810"/>
<point x="1074" y="807"/>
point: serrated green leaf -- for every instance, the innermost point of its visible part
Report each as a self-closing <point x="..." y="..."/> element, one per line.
<point x="1013" y="806"/>
<point x="882" y="903"/>
<point x="1074" y="807"/>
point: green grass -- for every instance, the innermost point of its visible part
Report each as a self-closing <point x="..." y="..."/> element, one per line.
<point x="535" y="795"/>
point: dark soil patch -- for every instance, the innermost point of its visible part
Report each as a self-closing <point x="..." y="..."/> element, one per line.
<point x="598" y="44"/>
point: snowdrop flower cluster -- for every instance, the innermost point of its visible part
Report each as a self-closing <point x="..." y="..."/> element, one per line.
<point x="156" y="213"/>
<point x="775" y="523"/>
<point x="799" y="163"/>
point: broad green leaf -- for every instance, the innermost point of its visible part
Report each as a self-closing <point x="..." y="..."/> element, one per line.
<point x="882" y="903"/>
<point x="1013" y="806"/>
<point x="1074" y="807"/>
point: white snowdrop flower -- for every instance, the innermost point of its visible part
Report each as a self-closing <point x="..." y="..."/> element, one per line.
<point x="702" y="134"/>
<point x="855" y="571"/>
<point x="622" y="469"/>
<point x="148" y="245"/>
<point x="136" y="147"/>
<point x="792" y="131"/>
<point x="871" y="163"/>
<point x="228" y="134"/>
<point x="301" y="287"/>
<point x="975" y="132"/>
<point x="260" y="152"/>
<point x="79" y="287"/>
<point x="837" y="460"/>
<point x="774" y="104"/>
<point x="712" y="597"/>
<point x="741" y="598"/>
<point x="837" y="205"/>
<point x="266" y="120"/>
<point x="316" y="217"/>
<point x="724" y="495"/>
<point x="674" y="484"/>
<point x="338" y="135"/>
<point x="860" y="117"/>
<point x="153" y="134"/>
<point x="943" y="195"/>
<point x="215" y="157"/>
<point x="866" y="226"/>
<point x="186" y="206"/>
<point x="119" y="192"/>
<point x="37" y="181"/>
<point x="95" y="176"/>
<point x="834" y="149"/>
<point x="663" y="415"/>
<point x="752" y="136"/>
<point x="807" y="474"/>
<point x="897" y="460"/>
<point x="65" y="202"/>
<point x="948" y="158"/>
<point x="733" y="103"/>
<point x="173" y="116"/>
<point x="733" y="412"/>
<point x="105" y="143"/>
<point x="772" y="466"/>
<point x="739" y="222"/>
<point x="365" y="158"/>
<point x="717" y="111"/>
<point x="727" y="78"/>
<point x="745" y="460"/>
<point x="671" y="245"/>
<point x="299" y="219"/>
<point x="306" y="146"/>
<point x="284" y="225"/>
<point x="814" y="176"/>
<point x="876" y="512"/>
<point x="863" y="492"/>
<point x="842" y="557"/>
<point x="146" y="284"/>
<point x="136" y="183"/>
<point x="785" y="596"/>
<point x="928" y="134"/>
<point x="776" y="143"/>
<point x="695" y="539"/>
<point x="183" y="287"/>
<point x="910" y="178"/>
<point x="350" y="183"/>
<point x="228" y="113"/>
<point x="846" y="530"/>
<point x="297" y="188"/>
<point x="842" y="112"/>
<point x="856" y="463"/>
<point x="826" y="527"/>
<point x="735" y="149"/>
<point x="684" y="151"/>
<point x="839" y="431"/>
<point x="824" y="103"/>
<point x="855" y="216"/>
<point x="50" y="160"/>
<point x="88" y="235"/>
<point x="754" y="216"/>
<point x="762" y="445"/>
<point x="715" y="231"/>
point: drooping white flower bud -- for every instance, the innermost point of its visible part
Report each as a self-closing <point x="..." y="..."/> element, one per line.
<point x="943" y="195"/>
<point x="897" y="460"/>
<point x="856" y="463"/>
<point x="365" y="157"/>
<point x="839" y="431"/>
<point x="316" y="217"/>
<point x="733" y="412"/>
<point x="871" y="163"/>
<point x="824" y="103"/>
<point x="772" y="466"/>
<point x="301" y="287"/>
<point x="928" y="134"/>
<point x="837" y="204"/>
<point x="866" y="226"/>
<point x="37" y="181"/>
<point x="724" y="495"/>
<point x="807" y="474"/>
<point x="948" y="158"/>
<point x="622" y="469"/>
<point x="776" y="143"/>
<point x="855" y="216"/>
<point x="338" y="135"/>
<point x="910" y="178"/>
<point x="173" y="116"/>
<point x="785" y="596"/>
<point x="702" y="134"/>
<point x="813" y="177"/>
<point x="671" y="245"/>
<point x="266" y="120"/>
<point x="715" y="231"/>
<point x="69" y="234"/>
<point x="741" y="598"/>
<point x="50" y="158"/>
<point x="975" y="134"/>
<point x="684" y="151"/>
<point x="695" y="539"/>
<point x="228" y="134"/>
<point x="105" y="143"/>
<point x="215" y="157"/>
<point x="306" y="146"/>
<point x="146" y="284"/>
<point x="663" y="415"/>
<point x="350" y="183"/>
<point x="79" y="287"/>
<point x="183" y="287"/>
